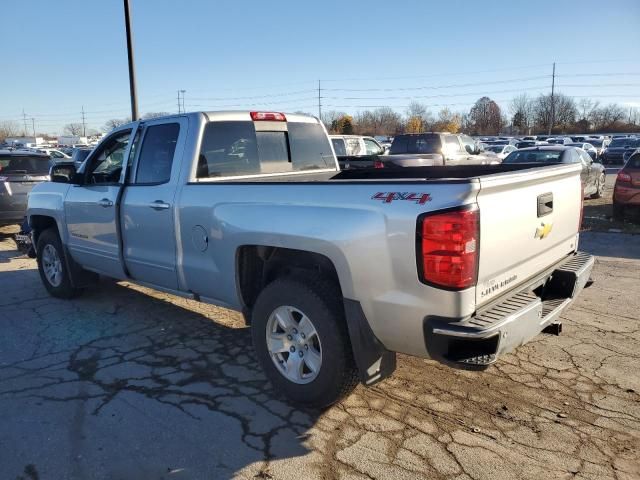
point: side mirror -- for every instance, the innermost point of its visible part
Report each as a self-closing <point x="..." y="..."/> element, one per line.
<point x="470" y="149"/>
<point x="63" y="173"/>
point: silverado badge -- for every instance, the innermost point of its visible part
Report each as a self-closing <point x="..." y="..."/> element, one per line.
<point x="543" y="230"/>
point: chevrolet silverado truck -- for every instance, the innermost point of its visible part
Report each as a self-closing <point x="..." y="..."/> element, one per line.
<point x="334" y="271"/>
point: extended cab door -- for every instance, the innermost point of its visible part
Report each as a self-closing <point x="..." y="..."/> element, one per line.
<point x="90" y="208"/>
<point x="148" y="204"/>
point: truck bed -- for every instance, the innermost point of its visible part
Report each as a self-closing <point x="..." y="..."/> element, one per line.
<point x="464" y="172"/>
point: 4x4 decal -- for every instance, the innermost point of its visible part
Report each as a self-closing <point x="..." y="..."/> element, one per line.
<point x="388" y="197"/>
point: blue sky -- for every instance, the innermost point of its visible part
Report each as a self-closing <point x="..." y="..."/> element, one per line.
<point x="66" y="54"/>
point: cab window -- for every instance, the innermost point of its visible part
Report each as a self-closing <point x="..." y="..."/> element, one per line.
<point x="105" y="165"/>
<point x="372" y="147"/>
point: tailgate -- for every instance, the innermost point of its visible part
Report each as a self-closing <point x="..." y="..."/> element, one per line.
<point x="14" y="190"/>
<point x="528" y="222"/>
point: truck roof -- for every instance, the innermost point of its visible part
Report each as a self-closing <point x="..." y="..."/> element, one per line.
<point x="229" y="115"/>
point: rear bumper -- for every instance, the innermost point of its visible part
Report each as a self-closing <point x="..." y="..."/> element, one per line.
<point x="511" y="321"/>
<point x="626" y="195"/>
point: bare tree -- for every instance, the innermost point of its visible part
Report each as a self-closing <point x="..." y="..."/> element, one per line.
<point x="565" y="111"/>
<point x="115" y="123"/>
<point x="330" y="119"/>
<point x="522" y="112"/>
<point x="8" y="128"/>
<point x="74" y="129"/>
<point x="607" y="116"/>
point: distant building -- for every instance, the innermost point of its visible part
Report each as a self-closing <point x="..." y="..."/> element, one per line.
<point x="71" y="140"/>
<point x="24" y="141"/>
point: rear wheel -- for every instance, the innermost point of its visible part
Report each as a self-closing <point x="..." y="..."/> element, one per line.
<point x="301" y="341"/>
<point x="600" y="186"/>
<point x="52" y="266"/>
<point x="618" y="212"/>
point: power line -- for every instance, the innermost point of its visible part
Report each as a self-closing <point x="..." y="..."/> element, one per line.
<point x="436" y="87"/>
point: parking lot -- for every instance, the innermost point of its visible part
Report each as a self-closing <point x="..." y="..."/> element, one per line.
<point x="128" y="383"/>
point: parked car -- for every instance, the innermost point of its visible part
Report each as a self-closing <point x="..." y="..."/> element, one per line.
<point x="333" y="270"/>
<point x="354" y="151"/>
<point x="429" y="149"/>
<point x="20" y="170"/>
<point x="626" y="191"/>
<point x="54" y="153"/>
<point x="592" y="176"/>
<point x="587" y="147"/>
<point x="530" y="143"/>
<point x="599" y="144"/>
<point x="614" y="153"/>
<point x="78" y="155"/>
<point x="354" y="145"/>
<point x="501" y="151"/>
<point x="560" y="140"/>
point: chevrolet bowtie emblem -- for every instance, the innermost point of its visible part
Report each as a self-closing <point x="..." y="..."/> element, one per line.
<point x="543" y="230"/>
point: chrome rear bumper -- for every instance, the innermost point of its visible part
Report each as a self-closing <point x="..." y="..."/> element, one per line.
<point x="478" y="341"/>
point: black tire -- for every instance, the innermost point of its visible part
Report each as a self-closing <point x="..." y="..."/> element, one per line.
<point x="64" y="289"/>
<point x="618" y="212"/>
<point x="600" y="186"/>
<point x="320" y="301"/>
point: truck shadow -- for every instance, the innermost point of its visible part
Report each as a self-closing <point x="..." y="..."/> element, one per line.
<point x="180" y="362"/>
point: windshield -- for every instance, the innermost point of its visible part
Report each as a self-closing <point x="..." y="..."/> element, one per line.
<point x="25" y="164"/>
<point x="534" y="156"/>
<point x="526" y="144"/>
<point x="596" y="143"/>
<point x="416" y="144"/>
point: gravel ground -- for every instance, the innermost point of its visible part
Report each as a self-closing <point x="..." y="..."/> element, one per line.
<point x="127" y="383"/>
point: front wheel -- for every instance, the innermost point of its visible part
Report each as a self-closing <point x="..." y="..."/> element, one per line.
<point x="301" y="341"/>
<point x="53" y="267"/>
<point x="600" y="186"/>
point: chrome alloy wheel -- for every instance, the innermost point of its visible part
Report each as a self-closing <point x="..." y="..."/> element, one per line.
<point x="294" y="344"/>
<point x="52" y="265"/>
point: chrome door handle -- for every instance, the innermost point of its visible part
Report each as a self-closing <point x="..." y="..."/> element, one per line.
<point x="105" y="202"/>
<point x="159" y="205"/>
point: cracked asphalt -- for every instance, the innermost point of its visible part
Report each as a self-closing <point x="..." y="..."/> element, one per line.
<point x="128" y="383"/>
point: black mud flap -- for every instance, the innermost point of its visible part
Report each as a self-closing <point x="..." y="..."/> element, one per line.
<point x="373" y="360"/>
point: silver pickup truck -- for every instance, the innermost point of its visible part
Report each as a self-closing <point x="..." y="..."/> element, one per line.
<point x="334" y="271"/>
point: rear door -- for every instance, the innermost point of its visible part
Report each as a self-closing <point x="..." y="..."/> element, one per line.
<point x="148" y="204"/>
<point x="528" y="222"/>
<point x="90" y="208"/>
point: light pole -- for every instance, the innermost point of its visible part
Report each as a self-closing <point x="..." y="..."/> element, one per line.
<point x="132" y="71"/>
<point x="183" y="109"/>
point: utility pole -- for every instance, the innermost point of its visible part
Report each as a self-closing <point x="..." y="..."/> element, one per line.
<point x="630" y="108"/>
<point x="319" y="103"/>
<point x="184" y="110"/>
<point x="24" y="119"/>
<point x="132" y="71"/>
<point x="553" y="103"/>
<point x="178" y="101"/>
<point x="33" y="126"/>
<point x="84" y="125"/>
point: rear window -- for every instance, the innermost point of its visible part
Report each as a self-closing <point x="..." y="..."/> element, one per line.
<point x="26" y="164"/>
<point x="416" y="144"/>
<point x="235" y="148"/>
<point x="534" y="156"/>
<point x="338" y="146"/>
<point x="623" y="142"/>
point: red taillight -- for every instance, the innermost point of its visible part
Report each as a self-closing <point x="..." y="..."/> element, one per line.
<point x="268" y="117"/>
<point x="623" y="177"/>
<point x="448" y="246"/>
<point x="378" y="164"/>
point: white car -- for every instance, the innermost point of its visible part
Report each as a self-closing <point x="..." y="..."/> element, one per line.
<point x="356" y="145"/>
<point x="501" y="151"/>
<point x="55" y="154"/>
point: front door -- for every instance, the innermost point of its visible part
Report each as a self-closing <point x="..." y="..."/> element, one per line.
<point x="148" y="204"/>
<point x="90" y="208"/>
